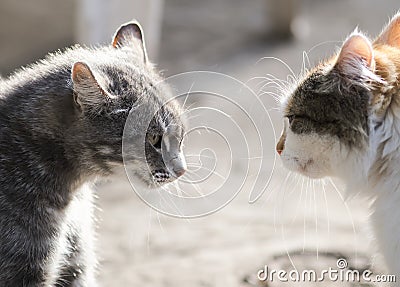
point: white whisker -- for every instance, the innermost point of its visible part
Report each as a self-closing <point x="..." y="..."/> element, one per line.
<point x="167" y="203"/>
<point x="299" y="202"/>
<point x="148" y="231"/>
<point x="280" y="190"/>
<point x="304" y="214"/>
<point x="187" y="95"/>
<point x="279" y="60"/>
<point x="322" y="43"/>
<point x="159" y="222"/>
<point x="349" y="213"/>
<point x="316" y="216"/>
<point x="195" y="186"/>
<point x="326" y="205"/>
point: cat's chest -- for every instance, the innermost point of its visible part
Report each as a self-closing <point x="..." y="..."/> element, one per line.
<point x="74" y="226"/>
<point x="81" y="205"/>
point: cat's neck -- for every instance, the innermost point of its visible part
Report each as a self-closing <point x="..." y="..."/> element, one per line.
<point x="387" y="67"/>
<point x="376" y="169"/>
<point x="36" y="112"/>
<point x="384" y="142"/>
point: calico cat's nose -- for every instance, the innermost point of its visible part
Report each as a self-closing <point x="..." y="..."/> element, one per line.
<point x="280" y="145"/>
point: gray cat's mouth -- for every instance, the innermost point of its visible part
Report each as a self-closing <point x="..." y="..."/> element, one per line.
<point x="161" y="176"/>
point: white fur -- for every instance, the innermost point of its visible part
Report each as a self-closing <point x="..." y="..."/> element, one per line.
<point x="373" y="169"/>
<point x="386" y="190"/>
<point x="319" y="156"/>
<point x="310" y="154"/>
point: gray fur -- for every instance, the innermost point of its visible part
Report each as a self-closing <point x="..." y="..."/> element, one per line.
<point x="57" y="134"/>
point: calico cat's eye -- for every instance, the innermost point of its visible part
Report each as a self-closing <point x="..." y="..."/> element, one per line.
<point x="290" y="118"/>
<point x="155" y="140"/>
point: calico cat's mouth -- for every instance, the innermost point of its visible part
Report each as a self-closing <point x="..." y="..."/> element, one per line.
<point x="306" y="167"/>
<point x="303" y="165"/>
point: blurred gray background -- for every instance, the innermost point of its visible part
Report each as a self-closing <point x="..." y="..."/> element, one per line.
<point x="139" y="247"/>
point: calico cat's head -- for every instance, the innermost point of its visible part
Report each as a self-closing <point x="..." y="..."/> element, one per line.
<point x="332" y="114"/>
<point x="108" y="84"/>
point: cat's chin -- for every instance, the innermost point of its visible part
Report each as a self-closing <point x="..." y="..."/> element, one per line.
<point x="154" y="185"/>
<point x="144" y="182"/>
<point x="147" y="183"/>
<point x="312" y="175"/>
<point x="309" y="174"/>
<point x="308" y="169"/>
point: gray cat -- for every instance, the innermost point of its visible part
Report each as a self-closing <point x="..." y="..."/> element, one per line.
<point x="61" y="126"/>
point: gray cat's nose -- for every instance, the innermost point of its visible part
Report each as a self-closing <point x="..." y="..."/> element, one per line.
<point x="179" y="172"/>
<point x="175" y="163"/>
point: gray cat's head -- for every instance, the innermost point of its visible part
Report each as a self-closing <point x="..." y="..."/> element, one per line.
<point x="332" y="114"/>
<point x="110" y="83"/>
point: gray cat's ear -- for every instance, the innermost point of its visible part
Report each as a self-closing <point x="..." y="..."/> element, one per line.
<point x="356" y="56"/>
<point x="128" y="34"/>
<point x="87" y="91"/>
<point x="391" y="33"/>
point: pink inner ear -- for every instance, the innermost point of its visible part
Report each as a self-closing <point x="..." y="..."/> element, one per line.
<point x="126" y="32"/>
<point x="81" y="71"/>
<point x="357" y="46"/>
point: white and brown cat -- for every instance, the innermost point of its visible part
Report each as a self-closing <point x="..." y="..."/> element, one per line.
<point x="343" y="120"/>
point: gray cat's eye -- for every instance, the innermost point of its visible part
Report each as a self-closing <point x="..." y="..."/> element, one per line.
<point x="155" y="141"/>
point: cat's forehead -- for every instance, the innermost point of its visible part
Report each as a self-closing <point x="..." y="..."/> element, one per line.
<point x="304" y="90"/>
<point x="128" y="80"/>
<point x="137" y="85"/>
<point x="170" y="117"/>
<point x="158" y="104"/>
<point x="130" y="72"/>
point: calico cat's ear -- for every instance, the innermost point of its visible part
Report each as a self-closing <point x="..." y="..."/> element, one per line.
<point x="356" y="56"/>
<point x="391" y="33"/>
<point x="128" y="34"/>
<point x="87" y="91"/>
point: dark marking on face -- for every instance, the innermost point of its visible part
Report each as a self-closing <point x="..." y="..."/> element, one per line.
<point x="330" y="105"/>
